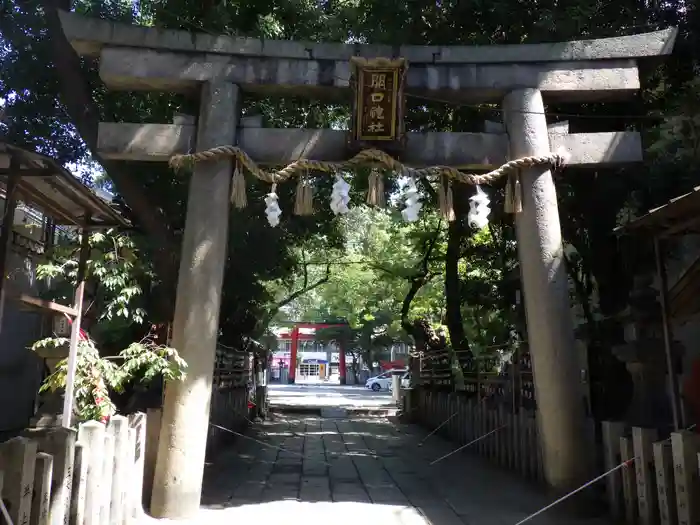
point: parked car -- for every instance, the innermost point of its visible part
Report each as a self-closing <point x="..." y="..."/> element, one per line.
<point x="383" y="381"/>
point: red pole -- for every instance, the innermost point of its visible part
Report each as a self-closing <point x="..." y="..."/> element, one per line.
<point x="293" y="358"/>
<point x="341" y="364"/>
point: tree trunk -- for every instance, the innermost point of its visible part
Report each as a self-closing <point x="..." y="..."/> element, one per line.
<point x="453" y="298"/>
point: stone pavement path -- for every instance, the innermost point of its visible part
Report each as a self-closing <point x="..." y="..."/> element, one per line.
<point x="360" y="470"/>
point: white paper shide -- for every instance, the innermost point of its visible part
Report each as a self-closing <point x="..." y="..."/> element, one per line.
<point x="413" y="203"/>
<point x="479" y="210"/>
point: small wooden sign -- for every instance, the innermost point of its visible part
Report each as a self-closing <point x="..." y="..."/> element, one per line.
<point x="378" y="107"/>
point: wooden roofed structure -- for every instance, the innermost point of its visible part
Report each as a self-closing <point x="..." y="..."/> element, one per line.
<point x="679" y="216"/>
<point x="43" y="184"/>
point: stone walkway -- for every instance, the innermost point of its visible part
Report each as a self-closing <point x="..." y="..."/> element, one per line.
<point x="361" y="470"/>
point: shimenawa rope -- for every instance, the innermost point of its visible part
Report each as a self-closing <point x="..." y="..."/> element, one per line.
<point x="376" y="159"/>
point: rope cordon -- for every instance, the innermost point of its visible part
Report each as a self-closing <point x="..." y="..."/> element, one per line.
<point x="375" y="159"/>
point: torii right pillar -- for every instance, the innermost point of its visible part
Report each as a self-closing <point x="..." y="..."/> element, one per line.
<point x="557" y="378"/>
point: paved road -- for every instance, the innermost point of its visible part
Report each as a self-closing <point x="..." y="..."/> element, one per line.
<point x="327" y="395"/>
<point x="314" y="471"/>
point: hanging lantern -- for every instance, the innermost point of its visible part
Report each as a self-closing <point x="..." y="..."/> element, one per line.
<point x="479" y="210"/>
<point x="413" y="203"/>
<point x="272" y="208"/>
<point x="340" y="197"/>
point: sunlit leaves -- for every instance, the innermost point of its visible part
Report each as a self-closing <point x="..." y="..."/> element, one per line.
<point x="96" y="376"/>
<point x="113" y="267"/>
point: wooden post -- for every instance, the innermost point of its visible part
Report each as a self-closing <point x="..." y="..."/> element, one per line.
<point x="668" y="337"/>
<point x="342" y="367"/>
<point x="68" y="398"/>
<point x="8" y="220"/>
<point x="292" y="372"/>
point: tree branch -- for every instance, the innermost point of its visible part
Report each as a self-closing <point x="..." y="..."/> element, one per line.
<point x="306" y="288"/>
<point x="76" y="95"/>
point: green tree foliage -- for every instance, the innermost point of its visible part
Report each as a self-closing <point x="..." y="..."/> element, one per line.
<point x="118" y="284"/>
<point x="54" y="102"/>
<point x="96" y="376"/>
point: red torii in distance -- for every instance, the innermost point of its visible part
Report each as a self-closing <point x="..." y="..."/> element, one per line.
<point x="295" y="347"/>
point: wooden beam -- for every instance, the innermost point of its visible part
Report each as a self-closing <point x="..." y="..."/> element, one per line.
<point x="28" y="172"/>
<point x="44" y="304"/>
<point x="47" y="206"/>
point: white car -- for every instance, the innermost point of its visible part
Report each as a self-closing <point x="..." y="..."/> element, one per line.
<point x="383" y="381"/>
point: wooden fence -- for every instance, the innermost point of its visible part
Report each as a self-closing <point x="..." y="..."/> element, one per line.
<point x="660" y="484"/>
<point x="89" y="477"/>
<point x="510" y="439"/>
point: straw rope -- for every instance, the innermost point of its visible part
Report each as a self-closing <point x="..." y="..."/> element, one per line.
<point x="368" y="157"/>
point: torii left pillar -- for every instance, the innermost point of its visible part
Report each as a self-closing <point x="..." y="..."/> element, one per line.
<point x="179" y="469"/>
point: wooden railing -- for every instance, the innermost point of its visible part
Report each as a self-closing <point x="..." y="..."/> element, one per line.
<point x="506" y="437"/>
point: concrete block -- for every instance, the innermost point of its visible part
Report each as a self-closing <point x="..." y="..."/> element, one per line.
<point x="41" y="499"/>
<point x="152" y="70"/>
<point x="663" y="464"/>
<point x="271" y="146"/>
<point x="60" y="443"/>
<point x="107" y="476"/>
<point x="17" y="462"/>
<point x="642" y="441"/>
<point x="137" y="422"/>
<point x="121" y="481"/>
<point x="612" y="432"/>
<point x="153" y="419"/>
<point x="181" y="119"/>
<point x="685" y="446"/>
<point x="92" y="436"/>
<point x="629" y="484"/>
<point x="78" y="487"/>
<point x="88" y="35"/>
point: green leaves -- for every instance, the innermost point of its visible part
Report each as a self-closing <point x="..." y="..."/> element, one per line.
<point x="113" y="267"/>
<point x="142" y="362"/>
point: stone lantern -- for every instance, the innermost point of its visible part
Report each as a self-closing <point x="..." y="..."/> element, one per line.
<point x="644" y="356"/>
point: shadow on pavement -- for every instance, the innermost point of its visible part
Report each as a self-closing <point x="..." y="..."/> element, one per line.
<point x="307" y="469"/>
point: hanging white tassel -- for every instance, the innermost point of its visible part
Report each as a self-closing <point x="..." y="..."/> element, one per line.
<point x="412" y="201"/>
<point x="272" y="208"/>
<point x="479" y="210"/>
<point x="340" y="197"/>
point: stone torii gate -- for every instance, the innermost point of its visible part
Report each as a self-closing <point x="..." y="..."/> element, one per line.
<point x="222" y="69"/>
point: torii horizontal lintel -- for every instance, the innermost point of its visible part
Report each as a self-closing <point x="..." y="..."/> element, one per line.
<point x="137" y="69"/>
<point x="88" y="35"/>
<point x="270" y="146"/>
